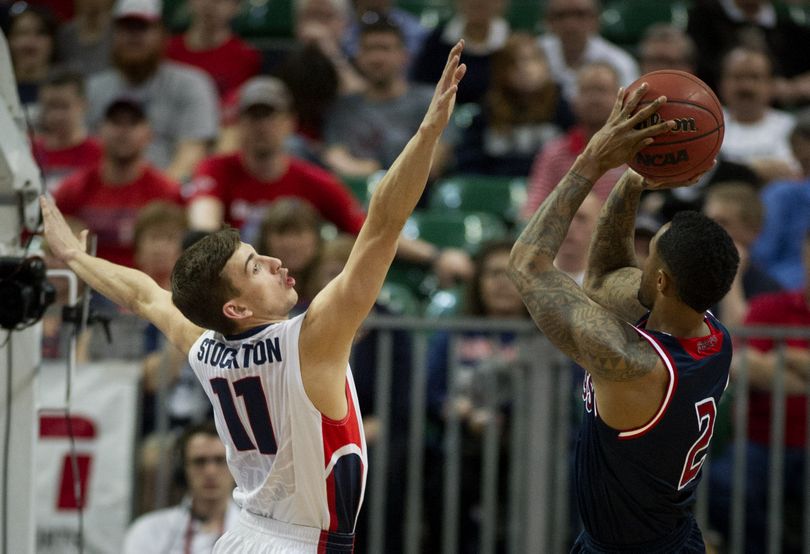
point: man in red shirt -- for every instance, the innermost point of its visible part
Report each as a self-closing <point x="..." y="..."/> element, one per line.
<point x="107" y="196"/>
<point x="62" y="144"/>
<point x="783" y="309"/>
<point x="209" y="44"/>
<point x="237" y="188"/>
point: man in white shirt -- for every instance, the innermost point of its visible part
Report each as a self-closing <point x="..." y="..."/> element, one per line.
<point x="756" y="134"/>
<point x="573" y="41"/>
<point x="207" y="511"/>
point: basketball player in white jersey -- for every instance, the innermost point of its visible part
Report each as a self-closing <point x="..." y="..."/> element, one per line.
<point x="282" y="391"/>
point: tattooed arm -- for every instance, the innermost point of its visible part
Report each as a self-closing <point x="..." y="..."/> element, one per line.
<point x="613" y="277"/>
<point x="588" y="333"/>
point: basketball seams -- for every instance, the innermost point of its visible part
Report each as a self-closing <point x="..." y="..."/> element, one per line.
<point x="687" y="93"/>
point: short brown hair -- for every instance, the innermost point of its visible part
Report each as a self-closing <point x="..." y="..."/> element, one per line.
<point x="743" y="197"/>
<point x="159" y="213"/>
<point x="199" y="288"/>
<point x="287" y="214"/>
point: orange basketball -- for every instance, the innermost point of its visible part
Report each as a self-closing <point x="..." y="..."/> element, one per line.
<point x="685" y="152"/>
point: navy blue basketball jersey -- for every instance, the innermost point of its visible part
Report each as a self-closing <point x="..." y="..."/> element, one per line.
<point x="637" y="487"/>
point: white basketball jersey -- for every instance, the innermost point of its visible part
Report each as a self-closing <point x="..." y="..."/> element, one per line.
<point x="290" y="462"/>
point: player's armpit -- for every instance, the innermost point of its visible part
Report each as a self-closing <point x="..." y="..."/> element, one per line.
<point x="159" y="309"/>
<point x="601" y="342"/>
<point x="618" y="293"/>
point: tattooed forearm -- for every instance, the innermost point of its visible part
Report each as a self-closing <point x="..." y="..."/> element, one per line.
<point x="590" y="335"/>
<point x="612" y="244"/>
<point x="547" y="228"/>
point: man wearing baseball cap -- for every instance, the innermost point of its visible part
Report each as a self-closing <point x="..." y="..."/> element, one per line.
<point x="106" y="197"/>
<point x="236" y="188"/>
<point x="181" y="103"/>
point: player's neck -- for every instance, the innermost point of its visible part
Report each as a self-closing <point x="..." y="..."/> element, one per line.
<point x="677" y="320"/>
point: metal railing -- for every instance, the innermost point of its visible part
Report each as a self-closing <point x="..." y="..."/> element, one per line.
<point x="531" y="512"/>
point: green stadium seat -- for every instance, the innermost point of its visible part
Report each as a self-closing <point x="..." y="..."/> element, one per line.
<point x="412" y="276"/>
<point x="256" y="18"/>
<point x="625" y="21"/>
<point x="399" y="299"/>
<point x="445" y="303"/>
<point x="499" y="196"/>
<point x="525" y="15"/>
<point x="358" y="186"/>
<point x="455" y="229"/>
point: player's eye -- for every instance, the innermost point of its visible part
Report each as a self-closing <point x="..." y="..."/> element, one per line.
<point x="256" y="268"/>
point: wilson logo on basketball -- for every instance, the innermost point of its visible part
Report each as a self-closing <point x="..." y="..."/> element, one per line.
<point x="659" y="160"/>
<point x="682" y="124"/>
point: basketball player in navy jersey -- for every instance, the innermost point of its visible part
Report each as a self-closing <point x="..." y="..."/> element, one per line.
<point x="657" y="361"/>
<point x="283" y="395"/>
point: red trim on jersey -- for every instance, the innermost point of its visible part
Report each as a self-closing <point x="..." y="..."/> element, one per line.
<point x="323" y="542"/>
<point x="673" y="384"/>
<point x="701" y="347"/>
<point x="336" y="435"/>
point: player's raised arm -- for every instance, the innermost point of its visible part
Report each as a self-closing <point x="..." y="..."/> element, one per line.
<point x="612" y="277"/>
<point x="589" y="334"/>
<point x="337" y="312"/>
<point x="126" y="287"/>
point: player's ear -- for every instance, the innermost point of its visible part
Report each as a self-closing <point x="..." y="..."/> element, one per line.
<point x="664" y="283"/>
<point x="235" y="310"/>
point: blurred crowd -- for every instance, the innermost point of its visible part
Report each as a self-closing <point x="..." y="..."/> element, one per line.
<point x="152" y="132"/>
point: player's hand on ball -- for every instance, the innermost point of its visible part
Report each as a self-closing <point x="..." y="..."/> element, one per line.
<point x="618" y="141"/>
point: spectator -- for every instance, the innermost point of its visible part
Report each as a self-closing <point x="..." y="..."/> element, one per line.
<point x="596" y="92"/>
<point x="107" y="196"/>
<point x="85" y="42"/>
<point x="665" y="46"/>
<point x="291" y="231"/>
<point x="756" y="134"/>
<point x="573" y="41"/>
<point x="160" y="229"/>
<point x="482" y="26"/>
<point x="324" y="23"/>
<point x="209" y="45"/>
<point x="207" y="511"/>
<point x="572" y="257"/>
<point x="787" y="216"/>
<point x="718" y="26"/>
<point x="366" y="131"/>
<point x="314" y="83"/>
<point x="523" y="110"/>
<point x="761" y="360"/>
<point x="481" y="357"/>
<point x="32" y="44"/>
<point x="738" y="209"/>
<point x="365" y="11"/>
<point x="180" y="101"/>
<point x="62" y="144"/>
<point x="236" y="188"/>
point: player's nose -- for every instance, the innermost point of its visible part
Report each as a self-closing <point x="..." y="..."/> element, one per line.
<point x="274" y="263"/>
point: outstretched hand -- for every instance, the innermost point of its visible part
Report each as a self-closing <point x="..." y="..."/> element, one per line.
<point x="444" y="97"/>
<point x="619" y="140"/>
<point x="61" y="240"/>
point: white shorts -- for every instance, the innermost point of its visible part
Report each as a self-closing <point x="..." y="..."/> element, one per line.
<point x="254" y="534"/>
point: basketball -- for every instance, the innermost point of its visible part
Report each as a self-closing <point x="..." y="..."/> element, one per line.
<point x="688" y="150"/>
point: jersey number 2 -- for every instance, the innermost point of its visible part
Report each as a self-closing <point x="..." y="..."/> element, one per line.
<point x="706" y="412"/>
<point x="252" y="393"/>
